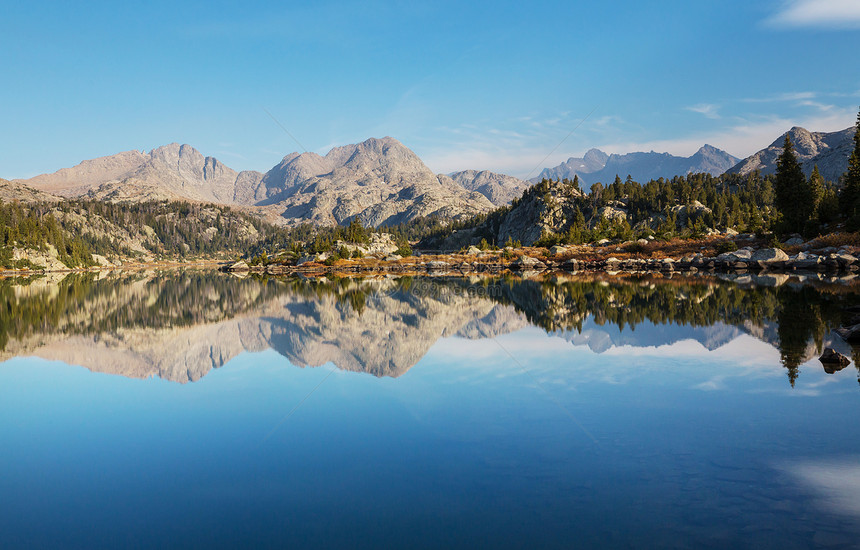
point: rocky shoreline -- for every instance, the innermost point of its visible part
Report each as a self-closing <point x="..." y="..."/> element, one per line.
<point x="683" y="257"/>
<point x="744" y="260"/>
<point x="123" y="266"/>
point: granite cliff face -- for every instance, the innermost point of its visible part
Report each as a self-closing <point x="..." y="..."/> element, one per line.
<point x="830" y="151"/>
<point x="184" y="171"/>
<point x="534" y="215"/>
<point x="378" y="181"/>
<point x="498" y="188"/>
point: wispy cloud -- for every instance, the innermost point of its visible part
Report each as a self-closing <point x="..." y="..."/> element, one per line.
<point x="822" y="14"/>
<point x="709" y="110"/>
<point x="818" y="105"/>
<point x="745" y="136"/>
<point x="788" y="96"/>
<point x="515" y="146"/>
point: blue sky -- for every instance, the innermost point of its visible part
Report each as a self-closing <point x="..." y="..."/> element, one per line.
<point x="476" y="85"/>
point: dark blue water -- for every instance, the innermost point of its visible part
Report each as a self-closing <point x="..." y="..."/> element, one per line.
<point x="665" y="435"/>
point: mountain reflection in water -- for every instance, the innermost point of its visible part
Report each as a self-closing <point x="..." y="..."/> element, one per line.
<point x="178" y="325"/>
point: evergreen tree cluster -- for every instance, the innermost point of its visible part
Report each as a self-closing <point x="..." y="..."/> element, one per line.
<point x="850" y="198"/>
<point x="80" y="228"/>
<point x="37" y="229"/>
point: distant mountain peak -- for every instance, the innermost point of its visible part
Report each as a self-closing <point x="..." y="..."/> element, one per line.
<point x="828" y="150"/>
<point x="498" y="188"/>
<point x="596" y="166"/>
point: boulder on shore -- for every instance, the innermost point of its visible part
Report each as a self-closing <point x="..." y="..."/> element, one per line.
<point x="769" y="255"/>
<point x="527" y="262"/>
<point x="241" y="265"/>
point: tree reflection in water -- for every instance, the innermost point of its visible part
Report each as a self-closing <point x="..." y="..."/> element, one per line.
<point x="797" y="318"/>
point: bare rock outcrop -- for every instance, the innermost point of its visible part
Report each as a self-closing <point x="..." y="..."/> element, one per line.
<point x="540" y="211"/>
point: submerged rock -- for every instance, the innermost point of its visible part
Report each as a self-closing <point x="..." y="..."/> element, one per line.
<point x="833" y="361"/>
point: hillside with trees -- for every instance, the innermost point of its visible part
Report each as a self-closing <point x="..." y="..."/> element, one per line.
<point x="72" y="232"/>
<point x="695" y="205"/>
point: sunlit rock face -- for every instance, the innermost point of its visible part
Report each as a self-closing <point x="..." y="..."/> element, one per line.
<point x="379" y="181"/>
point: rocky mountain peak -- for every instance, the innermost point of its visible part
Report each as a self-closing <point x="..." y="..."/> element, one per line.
<point x="708" y="149"/>
<point x="378" y="180"/>
<point x="595" y="157"/>
<point x="828" y="150"/>
<point x="498" y="188"/>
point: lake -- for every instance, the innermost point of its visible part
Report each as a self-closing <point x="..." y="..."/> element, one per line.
<point x="199" y="409"/>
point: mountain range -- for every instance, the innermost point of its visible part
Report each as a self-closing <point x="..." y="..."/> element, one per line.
<point x="828" y="150"/>
<point x="596" y="166"/>
<point x="381" y="181"/>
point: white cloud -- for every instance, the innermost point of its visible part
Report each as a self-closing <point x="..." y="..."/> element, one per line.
<point x="709" y="110"/>
<point x="827" y="14"/>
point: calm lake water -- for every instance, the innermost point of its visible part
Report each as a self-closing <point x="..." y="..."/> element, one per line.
<point x="198" y="409"/>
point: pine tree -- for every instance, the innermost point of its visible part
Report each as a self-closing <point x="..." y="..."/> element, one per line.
<point x="816" y="189"/>
<point x="850" y="196"/>
<point x="792" y="197"/>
